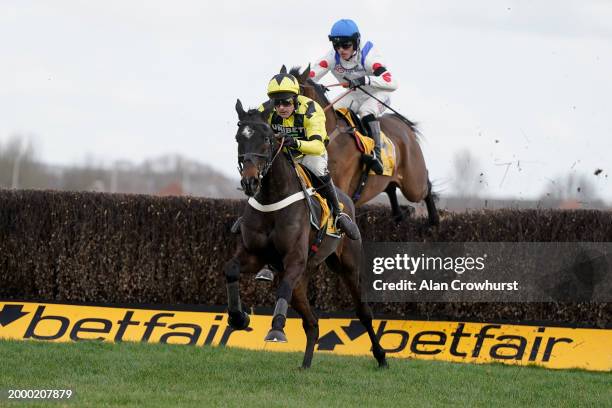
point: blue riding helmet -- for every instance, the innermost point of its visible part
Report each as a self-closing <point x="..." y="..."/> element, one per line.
<point x="343" y="31"/>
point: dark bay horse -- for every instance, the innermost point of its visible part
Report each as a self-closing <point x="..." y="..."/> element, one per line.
<point x="345" y="160"/>
<point x="281" y="236"/>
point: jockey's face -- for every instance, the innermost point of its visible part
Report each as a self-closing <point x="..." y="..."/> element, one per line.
<point x="284" y="107"/>
<point x="345" y="50"/>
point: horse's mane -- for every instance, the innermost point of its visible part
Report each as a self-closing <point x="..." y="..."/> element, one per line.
<point x="257" y="114"/>
<point x="295" y="71"/>
<point x="253" y="112"/>
<point x="412" y="125"/>
<point x="319" y="89"/>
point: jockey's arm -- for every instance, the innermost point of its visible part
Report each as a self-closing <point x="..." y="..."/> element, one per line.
<point x="321" y="66"/>
<point x="377" y="74"/>
<point x="314" y="126"/>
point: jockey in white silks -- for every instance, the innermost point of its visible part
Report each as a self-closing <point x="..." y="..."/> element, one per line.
<point x="361" y="67"/>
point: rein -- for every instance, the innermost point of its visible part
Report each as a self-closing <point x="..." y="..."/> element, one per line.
<point x="325" y="88"/>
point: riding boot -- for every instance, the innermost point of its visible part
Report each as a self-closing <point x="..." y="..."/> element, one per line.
<point x="374" y="130"/>
<point x="343" y="221"/>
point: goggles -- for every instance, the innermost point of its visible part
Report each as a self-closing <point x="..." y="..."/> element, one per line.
<point x="345" y="45"/>
<point x="283" y="102"/>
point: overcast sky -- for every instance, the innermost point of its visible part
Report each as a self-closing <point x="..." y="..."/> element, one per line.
<point x="521" y="82"/>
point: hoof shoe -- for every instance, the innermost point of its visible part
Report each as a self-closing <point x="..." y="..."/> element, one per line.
<point x="276" y="336"/>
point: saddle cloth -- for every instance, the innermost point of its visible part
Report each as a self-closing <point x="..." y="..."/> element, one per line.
<point x="366" y="144"/>
<point x="321" y="207"/>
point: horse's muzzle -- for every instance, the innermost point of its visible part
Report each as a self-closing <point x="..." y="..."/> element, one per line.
<point x="250" y="185"/>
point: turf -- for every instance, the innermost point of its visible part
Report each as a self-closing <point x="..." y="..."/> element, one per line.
<point x="155" y="375"/>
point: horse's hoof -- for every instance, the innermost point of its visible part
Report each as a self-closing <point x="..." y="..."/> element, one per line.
<point x="276" y="336"/>
<point x="238" y="320"/>
<point x="383" y="364"/>
<point x="235" y="229"/>
<point x="265" y="275"/>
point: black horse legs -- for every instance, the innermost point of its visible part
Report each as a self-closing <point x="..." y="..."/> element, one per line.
<point x="237" y="318"/>
<point x="242" y="262"/>
<point x="295" y="267"/>
<point x="310" y="322"/>
<point x="276" y="333"/>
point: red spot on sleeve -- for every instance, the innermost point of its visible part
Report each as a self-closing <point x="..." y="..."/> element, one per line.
<point x="311" y="74"/>
<point x="376" y="66"/>
<point x="323" y="64"/>
<point x="387" y="76"/>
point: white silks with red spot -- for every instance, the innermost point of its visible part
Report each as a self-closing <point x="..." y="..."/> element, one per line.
<point x="365" y="62"/>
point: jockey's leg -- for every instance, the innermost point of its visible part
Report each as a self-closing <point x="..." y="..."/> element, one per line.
<point x="350" y="101"/>
<point x="318" y="166"/>
<point x="369" y="112"/>
<point x="343" y="221"/>
<point x="372" y="125"/>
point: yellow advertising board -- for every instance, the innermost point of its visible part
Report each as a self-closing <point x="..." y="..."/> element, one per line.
<point x="551" y="347"/>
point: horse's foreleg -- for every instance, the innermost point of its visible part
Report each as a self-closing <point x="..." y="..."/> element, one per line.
<point x="310" y="322"/>
<point x="238" y="319"/>
<point x="348" y="268"/>
<point x="294" y="270"/>
<point x="432" y="212"/>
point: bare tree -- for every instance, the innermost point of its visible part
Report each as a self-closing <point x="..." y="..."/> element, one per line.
<point x="468" y="178"/>
<point x="572" y="186"/>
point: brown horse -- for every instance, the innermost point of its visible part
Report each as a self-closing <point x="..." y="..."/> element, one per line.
<point x="280" y="235"/>
<point x="346" y="164"/>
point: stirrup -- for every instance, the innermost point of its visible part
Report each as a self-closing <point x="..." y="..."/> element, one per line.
<point x="266" y="274"/>
<point x="377" y="167"/>
<point x="376" y="164"/>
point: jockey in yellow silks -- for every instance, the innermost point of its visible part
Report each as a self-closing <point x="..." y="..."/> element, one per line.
<point x="301" y="122"/>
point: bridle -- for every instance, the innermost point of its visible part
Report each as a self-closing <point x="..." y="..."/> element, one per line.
<point x="269" y="158"/>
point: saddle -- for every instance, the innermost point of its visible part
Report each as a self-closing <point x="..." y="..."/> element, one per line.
<point x="365" y="144"/>
<point x="322" y="219"/>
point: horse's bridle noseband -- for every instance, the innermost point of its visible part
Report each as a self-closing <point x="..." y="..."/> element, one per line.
<point x="269" y="158"/>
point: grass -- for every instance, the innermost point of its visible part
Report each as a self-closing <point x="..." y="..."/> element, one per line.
<point x="157" y="375"/>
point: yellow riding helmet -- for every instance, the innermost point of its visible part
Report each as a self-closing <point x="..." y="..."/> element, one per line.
<point x="283" y="86"/>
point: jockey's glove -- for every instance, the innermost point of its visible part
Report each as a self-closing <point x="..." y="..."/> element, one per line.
<point x="356" y="82"/>
<point x="290" y="141"/>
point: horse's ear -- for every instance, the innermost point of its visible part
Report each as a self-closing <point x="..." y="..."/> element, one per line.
<point x="283" y="69"/>
<point x="305" y="74"/>
<point x="240" y="109"/>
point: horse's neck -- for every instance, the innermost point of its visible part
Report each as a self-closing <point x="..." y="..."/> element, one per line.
<point x="330" y="114"/>
<point x="331" y="122"/>
<point x="279" y="183"/>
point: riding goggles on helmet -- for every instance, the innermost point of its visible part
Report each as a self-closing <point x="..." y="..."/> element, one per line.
<point x="345" y="45"/>
<point x="283" y="102"/>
